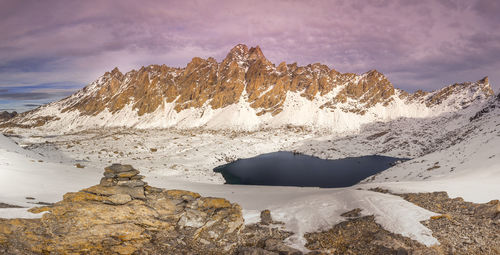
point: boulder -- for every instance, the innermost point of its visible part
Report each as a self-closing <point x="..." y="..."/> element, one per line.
<point x="277" y="245"/>
<point x="265" y="217"/>
<point x="119" y="199"/>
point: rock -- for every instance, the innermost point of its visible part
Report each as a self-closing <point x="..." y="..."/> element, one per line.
<point x="118" y="180"/>
<point x="109" y="175"/>
<point x="127" y="220"/>
<point x="278" y="246"/>
<point x="137" y="177"/>
<point x="4" y="116"/>
<point x="127" y="174"/>
<point x="254" y="251"/>
<point x="131" y="183"/>
<point x="4" y="205"/>
<point x="352" y="213"/>
<point x="362" y="235"/>
<point x="135" y="192"/>
<point x="119" y="199"/>
<point x="265" y="217"/>
<point x="461" y="227"/>
<point x="107" y="182"/>
<point x="489" y="210"/>
<point x="118" y="168"/>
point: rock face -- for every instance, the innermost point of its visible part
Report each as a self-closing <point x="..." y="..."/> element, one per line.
<point x="123" y="215"/>
<point x="253" y="91"/>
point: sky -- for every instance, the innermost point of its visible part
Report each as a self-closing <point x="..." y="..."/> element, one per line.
<point x="49" y="49"/>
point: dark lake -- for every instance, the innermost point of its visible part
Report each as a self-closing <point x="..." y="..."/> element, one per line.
<point x="289" y="169"/>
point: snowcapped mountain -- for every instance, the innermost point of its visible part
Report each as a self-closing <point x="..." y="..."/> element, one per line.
<point x="245" y="92"/>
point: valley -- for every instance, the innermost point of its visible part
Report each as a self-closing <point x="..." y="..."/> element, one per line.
<point x="450" y="137"/>
<point x="442" y="151"/>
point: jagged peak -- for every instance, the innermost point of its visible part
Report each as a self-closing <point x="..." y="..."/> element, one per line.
<point x="238" y="51"/>
<point x="211" y="60"/>
<point x="484" y="80"/>
<point x="241" y="52"/>
<point x="255" y="53"/>
<point x="482" y="84"/>
<point x="282" y="67"/>
<point x="374" y="72"/>
<point x="114" y="72"/>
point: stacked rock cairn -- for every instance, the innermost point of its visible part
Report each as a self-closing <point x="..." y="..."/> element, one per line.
<point x="123" y="182"/>
<point x="122" y="175"/>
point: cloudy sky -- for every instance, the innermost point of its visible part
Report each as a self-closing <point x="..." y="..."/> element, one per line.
<point x="48" y="49"/>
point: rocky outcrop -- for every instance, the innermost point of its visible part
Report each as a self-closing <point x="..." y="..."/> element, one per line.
<point x="4" y="116"/>
<point x="491" y="106"/>
<point x="123" y="215"/>
<point x="461" y="227"/>
<point x="362" y="235"/>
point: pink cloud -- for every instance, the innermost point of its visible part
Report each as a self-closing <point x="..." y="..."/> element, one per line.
<point x="417" y="44"/>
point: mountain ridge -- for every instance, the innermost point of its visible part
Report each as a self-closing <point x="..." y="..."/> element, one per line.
<point x="252" y="93"/>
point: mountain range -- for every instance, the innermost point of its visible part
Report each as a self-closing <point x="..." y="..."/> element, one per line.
<point x="245" y="92"/>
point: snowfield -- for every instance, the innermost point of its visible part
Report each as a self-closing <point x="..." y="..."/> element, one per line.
<point x="301" y="209"/>
<point x="449" y="153"/>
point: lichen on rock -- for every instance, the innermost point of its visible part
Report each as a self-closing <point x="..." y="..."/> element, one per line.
<point x="124" y="215"/>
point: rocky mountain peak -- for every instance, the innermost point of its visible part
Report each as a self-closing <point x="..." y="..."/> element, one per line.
<point x="243" y="55"/>
<point x="374" y="72"/>
<point x="484" y="80"/>
<point x="238" y="52"/>
<point x="485" y="86"/>
<point x="115" y="72"/>
<point x="195" y="62"/>
<point x="466" y="93"/>
<point x="482" y="85"/>
<point x="255" y="53"/>
<point x="4" y="116"/>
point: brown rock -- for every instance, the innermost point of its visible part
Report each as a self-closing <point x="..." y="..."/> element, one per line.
<point x="137" y="177"/>
<point x="119" y="199"/>
<point x="265" y="217"/>
<point x="104" y="220"/>
<point x="131" y="183"/>
<point x="127" y="174"/>
<point x="276" y="245"/>
<point x="255" y="251"/>
<point x="118" y="168"/>
<point x="352" y="213"/>
<point x="136" y="192"/>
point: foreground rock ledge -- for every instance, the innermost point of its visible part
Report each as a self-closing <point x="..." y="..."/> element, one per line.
<point x="123" y="215"/>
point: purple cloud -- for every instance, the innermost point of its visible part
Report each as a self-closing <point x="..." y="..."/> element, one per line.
<point x="417" y="44"/>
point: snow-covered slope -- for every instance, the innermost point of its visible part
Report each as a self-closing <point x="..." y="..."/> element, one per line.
<point x="468" y="166"/>
<point x="465" y="142"/>
<point x="245" y="92"/>
<point x="301" y="209"/>
<point x="24" y="174"/>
